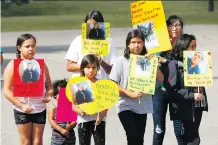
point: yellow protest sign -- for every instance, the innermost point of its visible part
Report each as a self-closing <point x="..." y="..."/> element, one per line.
<point x="95" y="38"/>
<point x="142" y="74"/>
<point x="92" y="97"/>
<point x="198" y="68"/>
<point x="149" y="17"/>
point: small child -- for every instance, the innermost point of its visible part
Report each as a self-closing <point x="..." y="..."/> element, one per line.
<point x="63" y="133"/>
<point x="87" y="123"/>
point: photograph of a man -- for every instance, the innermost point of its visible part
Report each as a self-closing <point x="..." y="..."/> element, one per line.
<point x="30" y="74"/>
<point x="83" y="95"/>
<point x="193" y="63"/>
<point x="96" y="32"/>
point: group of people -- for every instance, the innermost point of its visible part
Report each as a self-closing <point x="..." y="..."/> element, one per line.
<point x="170" y="90"/>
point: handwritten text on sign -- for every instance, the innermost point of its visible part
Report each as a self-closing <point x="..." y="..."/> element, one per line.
<point x="198" y="68"/>
<point x="105" y="92"/>
<point x="28" y="79"/>
<point x="142" y="74"/>
<point x="141" y="14"/>
<point x="149" y="17"/>
<point x="92" y="46"/>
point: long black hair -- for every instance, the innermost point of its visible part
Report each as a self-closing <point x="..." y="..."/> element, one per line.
<point x="88" y="59"/>
<point x="96" y="15"/>
<point x="181" y="44"/>
<point x="132" y="34"/>
<point x="20" y="41"/>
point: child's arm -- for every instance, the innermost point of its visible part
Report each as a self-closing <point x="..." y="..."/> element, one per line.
<point x="72" y="66"/>
<point x="48" y="85"/>
<point x="78" y="110"/>
<point x="112" y="57"/>
<point x="101" y="116"/>
<point x="104" y="113"/>
<point x="53" y="123"/>
<point x="8" y="79"/>
<point x="131" y="94"/>
<point x="71" y="125"/>
<point x="104" y="65"/>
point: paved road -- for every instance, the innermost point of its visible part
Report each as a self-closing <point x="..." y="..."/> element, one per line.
<point x="52" y="46"/>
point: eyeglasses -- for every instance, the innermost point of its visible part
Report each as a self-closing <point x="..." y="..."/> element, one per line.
<point x="176" y="26"/>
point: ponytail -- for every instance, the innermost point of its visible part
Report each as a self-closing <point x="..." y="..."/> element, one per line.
<point x="18" y="54"/>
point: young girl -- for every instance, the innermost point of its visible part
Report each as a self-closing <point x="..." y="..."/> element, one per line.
<point x="62" y="133"/>
<point x="132" y="115"/>
<point x="86" y="123"/>
<point x="30" y="120"/>
<point x="182" y="99"/>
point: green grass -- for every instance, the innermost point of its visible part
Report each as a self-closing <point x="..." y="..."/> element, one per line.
<point x="69" y="15"/>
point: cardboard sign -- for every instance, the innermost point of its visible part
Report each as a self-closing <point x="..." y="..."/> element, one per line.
<point x="92" y="97"/>
<point x="142" y="74"/>
<point x="149" y="17"/>
<point x="28" y="78"/>
<point x="198" y="68"/>
<point x="64" y="108"/>
<point x="95" y="38"/>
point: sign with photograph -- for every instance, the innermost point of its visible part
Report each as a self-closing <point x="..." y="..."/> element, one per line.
<point x="92" y="97"/>
<point x="28" y="78"/>
<point x="142" y="74"/>
<point x="149" y="17"/>
<point x="198" y="68"/>
<point x="95" y="38"/>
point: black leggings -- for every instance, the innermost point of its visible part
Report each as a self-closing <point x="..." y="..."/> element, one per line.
<point x="191" y="129"/>
<point x="134" y="125"/>
<point x="86" y="129"/>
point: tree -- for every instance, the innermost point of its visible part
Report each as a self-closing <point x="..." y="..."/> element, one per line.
<point x="211" y="5"/>
<point x="18" y="2"/>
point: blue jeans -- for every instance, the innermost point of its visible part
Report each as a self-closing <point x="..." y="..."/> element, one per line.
<point x="160" y="105"/>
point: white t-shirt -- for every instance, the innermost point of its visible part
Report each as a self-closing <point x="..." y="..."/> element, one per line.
<point x="74" y="54"/>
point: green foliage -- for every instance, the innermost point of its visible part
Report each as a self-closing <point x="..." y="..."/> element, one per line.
<point x="50" y="15"/>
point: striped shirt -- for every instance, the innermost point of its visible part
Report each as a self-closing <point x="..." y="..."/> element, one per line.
<point x="119" y="74"/>
<point x="58" y="138"/>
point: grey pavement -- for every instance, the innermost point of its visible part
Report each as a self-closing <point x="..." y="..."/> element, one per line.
<point x="52" y="46"/>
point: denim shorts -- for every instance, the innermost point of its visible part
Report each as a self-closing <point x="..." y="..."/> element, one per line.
<point x="23" y="118"/>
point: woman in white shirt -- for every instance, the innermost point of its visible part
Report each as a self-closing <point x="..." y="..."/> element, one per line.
<point x="74" y="54"/>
